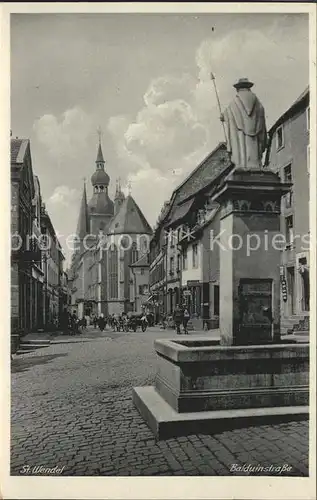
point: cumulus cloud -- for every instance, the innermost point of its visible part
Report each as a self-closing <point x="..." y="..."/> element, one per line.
<point x="179" y="124"/>
<point x="63" y="196"/>
<point x="262" y="56"/>
<point x="165" y="131"/>
<point x="170" y="88"/>
<point x="151" y="188"/>
<point x="64" y="137"/>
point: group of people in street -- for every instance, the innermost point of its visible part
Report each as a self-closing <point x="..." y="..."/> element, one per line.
<point x="181" y="316"/>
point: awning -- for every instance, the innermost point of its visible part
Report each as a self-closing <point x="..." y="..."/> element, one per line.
<point x="181" y="211"/>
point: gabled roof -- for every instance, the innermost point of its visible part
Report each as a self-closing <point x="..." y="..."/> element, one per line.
<point x="129" y="219"/>
<point x="207" y="172"/>
<point x="18" y="150"/>
<point x="142" y="262"/>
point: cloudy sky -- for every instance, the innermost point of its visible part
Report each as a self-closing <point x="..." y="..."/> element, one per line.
<point x="144" y="78"/>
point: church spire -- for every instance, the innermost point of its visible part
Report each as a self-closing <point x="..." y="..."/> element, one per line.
<point x="100" y="159"/>
<point x="83" y="219"/>
<point x="119" y="196"/>
<point x="100" y="155"/>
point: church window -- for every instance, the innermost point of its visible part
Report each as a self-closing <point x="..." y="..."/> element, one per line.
<point x="101" y="188"/>
<point x="134" y="253"/>
<point x="113" y="272"/>
<point x="125" y="242"/>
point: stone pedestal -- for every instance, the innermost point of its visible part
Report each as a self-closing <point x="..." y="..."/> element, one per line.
<point x="250" y="243"/>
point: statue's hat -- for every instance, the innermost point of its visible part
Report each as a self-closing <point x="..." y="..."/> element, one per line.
<point x="243" y="83"/>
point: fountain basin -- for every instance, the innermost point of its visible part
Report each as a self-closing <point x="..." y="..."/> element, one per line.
<point x="199" y="381"/>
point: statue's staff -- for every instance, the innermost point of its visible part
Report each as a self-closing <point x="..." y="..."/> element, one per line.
<point x="212" y="77"/>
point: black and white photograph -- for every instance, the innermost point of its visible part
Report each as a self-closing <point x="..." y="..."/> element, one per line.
<point x="161" y="285"/>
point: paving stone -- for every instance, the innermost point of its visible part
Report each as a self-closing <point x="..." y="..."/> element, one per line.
<point x="85" y="418"/>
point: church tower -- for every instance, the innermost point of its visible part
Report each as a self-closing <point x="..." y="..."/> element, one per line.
<point x="101" y="208"/>
<point x="83" y="219"/>
<point x="119" y="197"/>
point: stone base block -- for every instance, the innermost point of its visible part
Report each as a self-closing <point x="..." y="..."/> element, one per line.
<point x="165" y="422"/>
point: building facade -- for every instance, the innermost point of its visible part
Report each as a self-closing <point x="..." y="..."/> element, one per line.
<point x="32" y="268"/>
<point x="288" y="155"/>
<point x="111" y="236"/>
<point x="26" y="267"/>
<point x="53" y="261"/>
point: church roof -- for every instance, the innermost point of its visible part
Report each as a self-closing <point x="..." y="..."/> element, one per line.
<point x="83" y="220"/>
<point x="18" y="149"/>
<point x="129" y="219"/>
<point x="100" y="203"/>
<point x="100" y="177"/>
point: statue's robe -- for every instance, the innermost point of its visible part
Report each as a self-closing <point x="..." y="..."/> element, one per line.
<point x="246" y="127"/>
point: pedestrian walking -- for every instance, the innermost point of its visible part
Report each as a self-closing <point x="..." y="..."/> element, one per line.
<point x="101" y="323"/>
<point x="178" y="318"/>
<point x="74" y="323"/>
<point x="95" y="321"/>
<point x="186" y="318"/>
<point x="84" y="323"/>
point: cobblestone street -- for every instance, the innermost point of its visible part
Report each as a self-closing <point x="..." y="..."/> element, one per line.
<point x="72" y="408"/>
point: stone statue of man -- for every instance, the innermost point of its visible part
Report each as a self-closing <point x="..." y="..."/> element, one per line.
<point x="246" y="128"/>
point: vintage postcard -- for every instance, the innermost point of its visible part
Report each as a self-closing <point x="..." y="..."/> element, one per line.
<point x="159" y="228"/>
